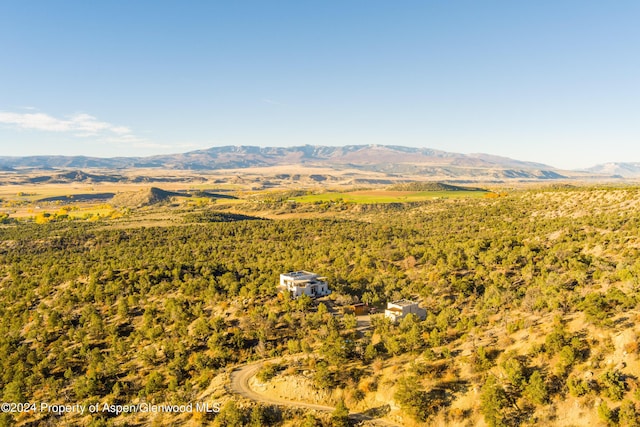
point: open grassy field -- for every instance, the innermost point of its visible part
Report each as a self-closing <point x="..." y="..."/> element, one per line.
<point x="384" y="196"/>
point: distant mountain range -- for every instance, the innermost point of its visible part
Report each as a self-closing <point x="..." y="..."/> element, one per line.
<point x="624" y="170"/>
<point x="378" y="158"/>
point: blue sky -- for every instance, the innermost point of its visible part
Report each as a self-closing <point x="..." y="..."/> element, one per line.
<point x="556" y="82"/>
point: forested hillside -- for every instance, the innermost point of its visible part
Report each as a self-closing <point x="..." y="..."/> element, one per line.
<point x="531" y="298"/>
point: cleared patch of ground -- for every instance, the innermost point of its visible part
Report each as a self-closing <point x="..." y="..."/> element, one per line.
<point x="387" y="196"/>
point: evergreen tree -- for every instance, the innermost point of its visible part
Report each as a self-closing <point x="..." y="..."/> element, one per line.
<point x="536" y="389"/>
<point x="493" y="400"/>
<point x="340" y="416"/>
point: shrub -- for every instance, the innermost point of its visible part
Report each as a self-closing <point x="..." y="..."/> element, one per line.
<point x="311" y="421"/>
<point x="229" y="416"/>
<point x="613" y="385"/>
<point x="628" y="415"/>
<point x="268" y="371"/>
<point x="340" y="416"/>
<point x="554" y="342"/>
<point x="577" y="387"/>
<point x="515" y="372"/>
<point x="493" y="400"/>
<point x="154" y="383"/>
<point x="607" y="415"/>
<point x="536" y="389"/>
<point x="481" y="361"/>
<point x="417" y="402"/>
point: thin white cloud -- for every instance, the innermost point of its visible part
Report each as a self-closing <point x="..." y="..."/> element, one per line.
<point x="79" y="125"/>
<point x="84" y="125"/>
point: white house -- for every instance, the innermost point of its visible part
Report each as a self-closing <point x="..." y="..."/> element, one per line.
<point x="397" y="310"/>
<point x="299" y="283"/>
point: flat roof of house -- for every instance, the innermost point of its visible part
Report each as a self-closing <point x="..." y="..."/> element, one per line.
<point x="299" y="274"/>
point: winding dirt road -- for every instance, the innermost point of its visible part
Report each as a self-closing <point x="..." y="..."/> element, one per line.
<point x="241" y="376"/>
